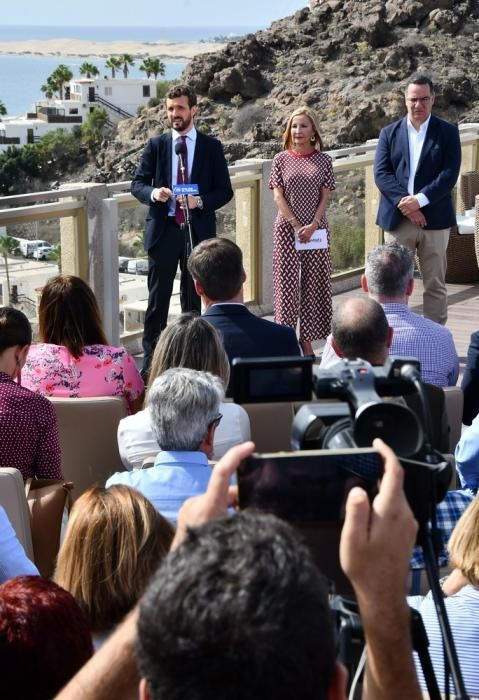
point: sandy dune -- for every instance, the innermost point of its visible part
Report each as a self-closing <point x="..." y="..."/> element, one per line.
<point x="77" y="47"/>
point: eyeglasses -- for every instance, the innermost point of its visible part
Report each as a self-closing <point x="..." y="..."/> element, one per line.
<point x="418" y="100"/>
<point x="216" y="421"/>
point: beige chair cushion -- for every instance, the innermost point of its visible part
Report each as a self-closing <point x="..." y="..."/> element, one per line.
<point x="14" y="501"/>
<point x="88" y="439"/>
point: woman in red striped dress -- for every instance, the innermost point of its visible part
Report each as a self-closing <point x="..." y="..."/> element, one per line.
<point x="301" y="179"/>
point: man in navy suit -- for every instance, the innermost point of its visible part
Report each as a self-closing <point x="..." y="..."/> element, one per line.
<point x="216" y="266"/>
<point x="417" y="165"/>
<point x="166" y="235"/>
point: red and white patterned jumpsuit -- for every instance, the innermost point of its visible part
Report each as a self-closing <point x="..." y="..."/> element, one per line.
<point x="301" y="279"/>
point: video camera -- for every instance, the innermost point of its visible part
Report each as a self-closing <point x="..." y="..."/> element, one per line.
<point x="350" y="411"/>
<point x="309" y="486"/>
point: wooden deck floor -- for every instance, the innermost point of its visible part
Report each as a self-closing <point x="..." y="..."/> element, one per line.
<point x="463" y="314"/>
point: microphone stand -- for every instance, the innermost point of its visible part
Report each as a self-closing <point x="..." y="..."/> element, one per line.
<point x="189" y="238"/>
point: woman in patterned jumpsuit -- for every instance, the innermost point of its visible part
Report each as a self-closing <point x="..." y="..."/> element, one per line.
<point x="301" y="179"/>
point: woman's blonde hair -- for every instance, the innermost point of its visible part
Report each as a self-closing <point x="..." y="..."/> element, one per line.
<point x="463" y="545"/>
<point x="190" y="341"/>
<point x="114" y="542"/>
<point x="313" y="118"/>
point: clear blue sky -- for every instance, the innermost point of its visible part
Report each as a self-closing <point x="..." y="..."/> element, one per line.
<point x="148" y="12"/>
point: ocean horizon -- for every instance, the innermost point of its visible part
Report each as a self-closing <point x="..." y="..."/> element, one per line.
<point x="129" y="33"/>
<point x="21" y="75"/>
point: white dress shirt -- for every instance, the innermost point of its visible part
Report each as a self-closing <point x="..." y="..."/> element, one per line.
<point x="416" y="142"/>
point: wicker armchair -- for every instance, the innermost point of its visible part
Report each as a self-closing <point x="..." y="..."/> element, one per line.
<point x="463" y="249"/>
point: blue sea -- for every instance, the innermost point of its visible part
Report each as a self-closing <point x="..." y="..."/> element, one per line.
<point x="22" y="75"/>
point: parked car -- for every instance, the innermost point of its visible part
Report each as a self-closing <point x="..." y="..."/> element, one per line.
<point x="41" y="252"/>
<point x="123" y="263"/>
<point x="138" y="266"/>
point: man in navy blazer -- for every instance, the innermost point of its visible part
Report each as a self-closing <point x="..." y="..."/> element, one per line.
<point x="166" y="234"/>
<point x="216" y="266"/>
<point x="416" y="167"/>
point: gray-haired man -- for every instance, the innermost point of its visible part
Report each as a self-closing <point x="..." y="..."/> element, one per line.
<point x="389" y="279"/>
<point x="184" y="407"/>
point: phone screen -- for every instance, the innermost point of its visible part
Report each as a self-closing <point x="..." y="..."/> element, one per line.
<point x="309" y="490"/>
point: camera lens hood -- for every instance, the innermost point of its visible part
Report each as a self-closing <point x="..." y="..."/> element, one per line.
<point x="394" y="423"/>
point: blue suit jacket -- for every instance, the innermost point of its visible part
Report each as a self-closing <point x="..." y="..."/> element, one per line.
<point x="247" y="335"/>
<point x="209" y="172"/>
<point x="436" y="174"/>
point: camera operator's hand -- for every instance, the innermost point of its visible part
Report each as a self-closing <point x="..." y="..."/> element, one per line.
<point x="376" y="545"/>
<point x="218" y="497"/>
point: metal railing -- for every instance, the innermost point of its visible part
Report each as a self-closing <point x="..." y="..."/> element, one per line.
<point x="90" y="214"/>
<point x="112" y="107"/>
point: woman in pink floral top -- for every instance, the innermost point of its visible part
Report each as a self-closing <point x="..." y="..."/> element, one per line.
<point x="74" y="359"/>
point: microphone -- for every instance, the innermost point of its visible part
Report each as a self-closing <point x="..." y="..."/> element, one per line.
<point x="180" y="150"/>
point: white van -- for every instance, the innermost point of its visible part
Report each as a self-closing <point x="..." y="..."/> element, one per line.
<point x="137" y="266"/>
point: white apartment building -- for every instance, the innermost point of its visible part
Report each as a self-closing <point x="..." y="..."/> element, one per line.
<point x="120" y="97"/>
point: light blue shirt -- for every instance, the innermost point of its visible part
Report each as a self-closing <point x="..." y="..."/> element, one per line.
<point x="174" y="477"/>
<point x="467" y="456"/>
<point x="463" y="612"/>
<point x="13" y="560"/>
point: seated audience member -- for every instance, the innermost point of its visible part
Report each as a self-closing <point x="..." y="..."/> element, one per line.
<point x="216" y="266"/>
<point x="74" y="358"/>
<point x="389" y="279"/>
<point x="29" y="439"/>
<point x="360" y="329"/>
<point x="461" y="592"/>
<point x="189" y="341"/>
<point x="184" y="406"/>
<point x="44" y="638"/>
<point x="114" y="542"/>
<point x="13" y="560"/>
<point x="470" y="381"/>
<point x="467" y="457"/>
<point x="264" y="630"/>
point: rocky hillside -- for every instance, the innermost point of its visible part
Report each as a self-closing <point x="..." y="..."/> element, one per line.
<point x="348" y="59"/>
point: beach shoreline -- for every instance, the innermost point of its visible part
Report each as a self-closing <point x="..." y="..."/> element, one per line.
<point x="165" y="50"/>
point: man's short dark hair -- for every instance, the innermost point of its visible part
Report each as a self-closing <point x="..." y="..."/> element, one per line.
<point x="182" y="91"/>
<point x="238" y="612"/>
<point x="15" y="328"/>
<point x="217" y="264"/>
<point x="360" y="329"/>
<point x="389" y="268"/>
<point x="421" y="80"/>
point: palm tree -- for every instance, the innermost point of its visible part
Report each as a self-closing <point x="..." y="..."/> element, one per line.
<point x="61" y="75"/>
<point x="3" y="109"/>
<point x="55" y="255"/>
<point x="146" y="67"/>
<point x="157" y="67"/>
<point x="114" y="63"/>
<point x="126" y="60"/>
<point x="94" y="127"/>
<point x="50" y="87"/>
<point x="8" y="246"/>
<point x="89" y="69"/>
